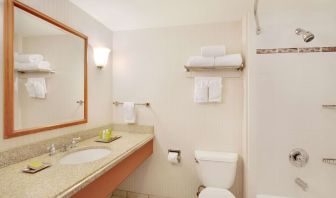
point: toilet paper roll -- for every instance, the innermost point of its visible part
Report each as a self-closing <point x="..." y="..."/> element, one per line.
<point x="173" y="157"/>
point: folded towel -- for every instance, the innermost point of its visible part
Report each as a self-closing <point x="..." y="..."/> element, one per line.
<point x="201" y="61"/>
<point x="36" y="88"/>
<point x="129" y="112"/>
<point x="32" y="66"/>
<point x="229" y="60"/>
<point x="215" y="89"/>
<point x="28" y="58"/>
<point x="200" y="90"/>
<point x="213" y="51"/>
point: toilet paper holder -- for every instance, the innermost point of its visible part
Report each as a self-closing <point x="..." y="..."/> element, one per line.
<point x="178" y="154"/>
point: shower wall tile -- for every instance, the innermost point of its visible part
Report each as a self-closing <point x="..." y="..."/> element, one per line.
<point x="328" y="49"/>
<point x="287" y="50"/>
<point x="310" y="49"/>
<point x="296" y="50"/>
<point x="267" y="51"/>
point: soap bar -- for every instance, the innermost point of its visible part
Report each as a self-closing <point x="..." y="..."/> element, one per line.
<point x="35" y="165"/>
<point x="30" y="169"/>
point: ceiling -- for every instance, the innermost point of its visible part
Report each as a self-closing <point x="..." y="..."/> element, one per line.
<point x="120" y="15"/>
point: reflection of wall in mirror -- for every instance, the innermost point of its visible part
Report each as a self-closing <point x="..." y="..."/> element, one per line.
<point x="65" y="53"/>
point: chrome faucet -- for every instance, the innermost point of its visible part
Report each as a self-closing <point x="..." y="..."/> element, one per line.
<point x="52" y="149"/>
<point x="74" y="142"/>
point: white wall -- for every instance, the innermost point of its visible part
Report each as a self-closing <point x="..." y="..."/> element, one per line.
<point x="100" y="82"/>
<point x="148" y="66"/>
<point x="286" y="92"/>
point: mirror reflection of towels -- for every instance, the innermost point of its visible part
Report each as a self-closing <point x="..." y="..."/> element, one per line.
<point x="36" y="88"/>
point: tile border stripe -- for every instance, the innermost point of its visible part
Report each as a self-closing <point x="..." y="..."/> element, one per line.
<point x="296" y="50"/>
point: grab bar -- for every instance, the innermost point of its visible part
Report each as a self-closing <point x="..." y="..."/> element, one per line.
<point x="329" y="161"/>
<point x="328" y="106"/>
<point x="147" y="104"/>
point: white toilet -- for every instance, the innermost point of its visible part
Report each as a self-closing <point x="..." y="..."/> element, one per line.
<point x="217" y="171"/>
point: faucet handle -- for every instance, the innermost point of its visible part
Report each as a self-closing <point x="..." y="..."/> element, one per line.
<point x="75" y="141"/>
<point x="52" y="149"/>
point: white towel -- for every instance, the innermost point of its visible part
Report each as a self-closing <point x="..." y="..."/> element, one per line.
<point x="129" y="112"/>
<point x="28" y="58"/>
<point x="201" y="61"/>
<point x="201" y="90"/>
<point x="215" y="89"/>
<point x="31" y="66"/>
<point x="213" y="51"/>
<point x="229" y="60"/>
<point x="36" y="88"/>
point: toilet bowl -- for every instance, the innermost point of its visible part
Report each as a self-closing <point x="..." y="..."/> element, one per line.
<point x="217" y="171"/>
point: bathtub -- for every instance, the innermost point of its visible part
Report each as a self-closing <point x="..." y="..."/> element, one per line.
<point x="269" y="196"/>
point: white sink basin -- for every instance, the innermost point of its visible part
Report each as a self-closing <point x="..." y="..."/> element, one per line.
<point x="85" y="155"/>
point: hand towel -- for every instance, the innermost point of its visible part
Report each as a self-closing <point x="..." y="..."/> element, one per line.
<point x="213" y="51"/>
<point x="36" y="88"/>
<point x="231" y="60"/>
<point x="31" y="66"/>
<point x="28" y="58"/>
<point x="201" y="61"/>
<point x="200" y="90"/>
<point x="129" y="112"/>
<point x="215" y="89"/>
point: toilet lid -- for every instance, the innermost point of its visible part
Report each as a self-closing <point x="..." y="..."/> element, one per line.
<point x="215" y="193"/>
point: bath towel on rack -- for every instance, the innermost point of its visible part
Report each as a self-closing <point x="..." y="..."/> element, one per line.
<point x="129" y="112"/>
<point x="28" y="58"/>
<point x="31" y="66"/>
<point x="36" y="88"/>
<point x="213" y="51"/>
<point x="201" y="61"/>
<point x="201" y="90"/>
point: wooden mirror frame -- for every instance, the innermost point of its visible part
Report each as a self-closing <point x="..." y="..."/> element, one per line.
<point x="9" y="130"/>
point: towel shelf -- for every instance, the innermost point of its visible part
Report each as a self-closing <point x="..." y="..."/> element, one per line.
<point x="147" y="104"/>
<point x="212" y="68"/>
<point x="35" y="71"/>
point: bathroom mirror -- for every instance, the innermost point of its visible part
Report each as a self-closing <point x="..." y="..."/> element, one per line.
<point x="45" y="72"/>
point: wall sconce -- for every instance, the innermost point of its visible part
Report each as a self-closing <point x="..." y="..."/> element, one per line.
<point x="101" y="55"/>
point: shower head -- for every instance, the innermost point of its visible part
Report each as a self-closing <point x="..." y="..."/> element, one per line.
<point x="306" y="35"/>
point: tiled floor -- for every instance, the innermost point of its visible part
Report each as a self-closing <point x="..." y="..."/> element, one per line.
<point x="127" y="194"/>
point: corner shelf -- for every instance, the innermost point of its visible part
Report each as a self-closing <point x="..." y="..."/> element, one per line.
<point x="212" y="68"/>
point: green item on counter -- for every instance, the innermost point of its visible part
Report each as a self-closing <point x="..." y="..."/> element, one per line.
<point x="35" y="165"/>
<point x="105" y="134"/>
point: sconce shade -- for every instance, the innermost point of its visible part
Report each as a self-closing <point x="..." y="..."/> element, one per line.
<point x="101" y="55"/>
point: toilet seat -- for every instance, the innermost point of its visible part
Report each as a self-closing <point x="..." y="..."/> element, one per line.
<point x="210" y="192"/>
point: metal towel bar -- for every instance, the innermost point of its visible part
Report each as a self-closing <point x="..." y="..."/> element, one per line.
<point x="328" y="106"/>
<point x="147" y="104"/>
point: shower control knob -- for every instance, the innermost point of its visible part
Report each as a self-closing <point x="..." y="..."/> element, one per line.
<point x="298" y="157"/>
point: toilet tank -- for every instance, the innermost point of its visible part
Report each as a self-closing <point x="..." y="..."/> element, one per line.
<point x="216" y="169"/>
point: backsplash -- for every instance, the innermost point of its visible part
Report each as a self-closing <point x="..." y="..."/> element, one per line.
<point x="296" y="50"/>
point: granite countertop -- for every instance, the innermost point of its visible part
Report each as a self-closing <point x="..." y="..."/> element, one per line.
<point x="65" y="180"/>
